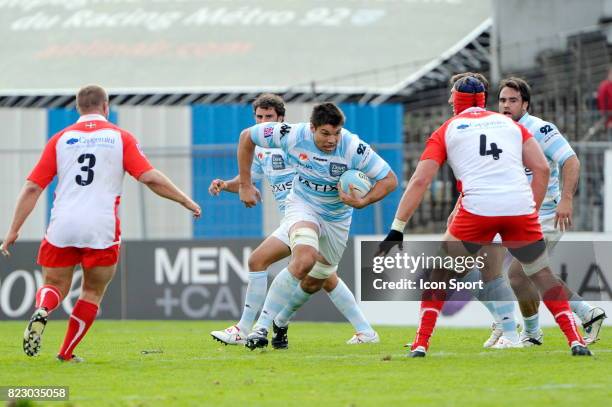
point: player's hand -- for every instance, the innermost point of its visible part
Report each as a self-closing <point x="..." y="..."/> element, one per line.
<point x="8" y="241"/>
<point x="249" y="195"/>
<point x="194" y="208"/>
<point x="563" y="215"/>
<point x="352" y="199"/>
<point x="394" y="238"/>
<point x="216" y="186"/>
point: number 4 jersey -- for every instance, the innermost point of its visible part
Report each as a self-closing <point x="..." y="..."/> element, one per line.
<point x="485" y="151"/>
<point x="89" y="159"/>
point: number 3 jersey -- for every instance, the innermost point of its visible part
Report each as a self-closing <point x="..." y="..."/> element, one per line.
<point x="89" y="159"/>
<point x="485" y="151"/>
<point x="318" y="172"/>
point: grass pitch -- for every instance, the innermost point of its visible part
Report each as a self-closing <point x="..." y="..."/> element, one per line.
<point x="318" y="368"/>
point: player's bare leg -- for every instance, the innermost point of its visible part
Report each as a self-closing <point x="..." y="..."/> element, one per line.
<point x="56" y="284"/>
<point x="95" y="282"/>
<point x="534" y="259"/>
<point x="529" y="302"/>
<point x="304" y="237"/>
<point x="267" y="253"/>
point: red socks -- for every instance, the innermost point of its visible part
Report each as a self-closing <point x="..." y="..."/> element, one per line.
<point x="49" y="297"/>
<point x="555" y="300"/>
<point x="431" y="305"/>
<point x="83" y="316"/>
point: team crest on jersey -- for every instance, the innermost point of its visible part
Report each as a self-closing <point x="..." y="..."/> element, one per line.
<point x="337" y="169"/>
<point x="278" y="163"/>
<point x="268" y="131"/>
<point x="260" y="156"/>
<point x="303" y="156"/>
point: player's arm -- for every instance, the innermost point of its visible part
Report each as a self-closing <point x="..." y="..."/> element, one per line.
<point x="138" y="166"/>
<point x="25" y="204"/>
<point x="533" y="158"/>
<point x="267" y="135"/>
<point x="570" y="173"/>
<point x="42" y="174"/>
<point x="246" y="148"/>
<point x="380" y="189"/>
<point x="159" y="183"/>
<point x="425" y="172"/>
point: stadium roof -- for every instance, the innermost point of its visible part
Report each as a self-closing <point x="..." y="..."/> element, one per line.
<point x="185" y="51"/>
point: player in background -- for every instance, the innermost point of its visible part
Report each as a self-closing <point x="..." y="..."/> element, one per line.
<point x="487" y="152"/>
<point x="272" y="164"/>
<point x="555" y="213"/>
<point x="90" y="159"/>
<point x="317" y="213"/>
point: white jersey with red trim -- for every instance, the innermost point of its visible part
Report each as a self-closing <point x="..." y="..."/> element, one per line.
<point x="485" y="151"/>
<point x="89" y="159"/>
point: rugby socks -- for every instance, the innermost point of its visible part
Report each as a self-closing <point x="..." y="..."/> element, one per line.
<point x="82" y="317"/>
<point x="580" y="307"/>
<point x="345" y="301"/>
<point x="555" y="300"/>
<point x="532" y="324"/>
<point x="280" y="291"/>
<point x="431" y="305"/>
<point x="297" y="299"/>
<point x="48" y="297"/>
<point x="497" y="296"/>
<point x="255" y="296"/>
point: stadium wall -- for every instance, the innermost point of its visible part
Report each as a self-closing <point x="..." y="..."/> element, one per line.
<point x="193" y="145"/>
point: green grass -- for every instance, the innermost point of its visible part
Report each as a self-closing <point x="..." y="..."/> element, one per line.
<point x="319" y="368"/>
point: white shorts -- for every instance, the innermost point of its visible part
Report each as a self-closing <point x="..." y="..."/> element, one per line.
<point x="332" y="235"/>
<point x="282" y="233"/>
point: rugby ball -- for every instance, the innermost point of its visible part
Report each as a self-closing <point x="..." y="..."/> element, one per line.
<point x="361" y="183"/>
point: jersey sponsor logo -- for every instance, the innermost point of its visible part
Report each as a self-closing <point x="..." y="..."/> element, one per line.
<point x="361" y="149"/>
<point x="337" y="169"/>
<point x="284" y="130"/>
<point x="316" y="186"/>
<point x="72" y="141"/>
<point x="278" y="163"/>
<point x="463" y="126"/>
<point x="282" y="187"/>
<point x="268" y="131"/>
<point x="319" y="159"/>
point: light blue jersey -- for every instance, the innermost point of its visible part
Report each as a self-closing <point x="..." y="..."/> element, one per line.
<point x="557" y="150"/>
<point x="272" y="164"/>
<point x="318" y="173"/>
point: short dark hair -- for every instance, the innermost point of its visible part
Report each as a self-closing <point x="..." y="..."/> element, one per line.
<point x="518" y="84"/>
<point x="91" y="98"/>
<point x="270" y="101"/>
<point x="455" y="78"/>
<point x="326" y="113"/>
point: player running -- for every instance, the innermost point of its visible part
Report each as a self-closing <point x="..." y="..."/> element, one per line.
<point x="272" y="164"/>
<point x="487" y="152"/>
<point x="89" y="158"/>
<point x="317" y="213"/>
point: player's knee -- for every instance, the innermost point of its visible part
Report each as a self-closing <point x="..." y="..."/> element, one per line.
<point x="258" y="262"/>
<point x="302" y="264"/>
